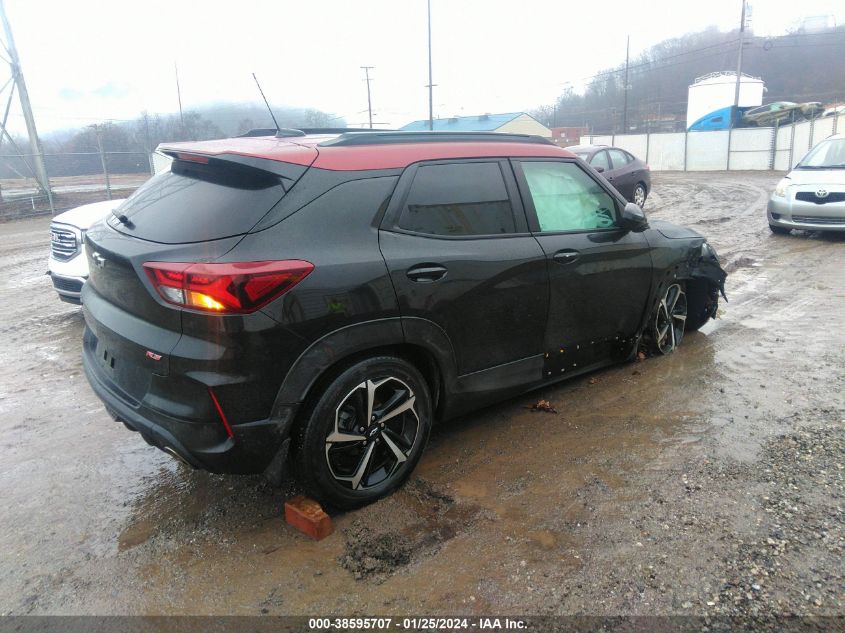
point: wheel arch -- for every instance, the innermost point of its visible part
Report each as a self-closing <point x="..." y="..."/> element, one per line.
<point x="417" y="341"/>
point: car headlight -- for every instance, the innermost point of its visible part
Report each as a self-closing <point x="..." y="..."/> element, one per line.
<point x="782" y="188"/>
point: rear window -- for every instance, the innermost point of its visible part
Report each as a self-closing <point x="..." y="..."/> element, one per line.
<point x="196" y="202"/>
<point x="458" y="199"/>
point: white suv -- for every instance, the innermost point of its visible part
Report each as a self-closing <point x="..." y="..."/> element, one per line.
<point x="68" y="266"/>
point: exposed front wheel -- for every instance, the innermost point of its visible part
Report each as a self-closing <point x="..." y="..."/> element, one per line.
<point x="365" y="433"/>
<point x="639" y="195"/>
<point x="669" y="320"/>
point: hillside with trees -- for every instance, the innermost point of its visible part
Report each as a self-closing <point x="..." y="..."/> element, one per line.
<point x="800" y="66"/>
<point x="127" y="144"/>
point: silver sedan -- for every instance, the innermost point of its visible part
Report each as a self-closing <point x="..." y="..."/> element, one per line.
<point x="812" y="196"/>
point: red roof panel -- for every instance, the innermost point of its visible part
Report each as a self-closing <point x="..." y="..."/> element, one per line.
<point x="303" y="150"/>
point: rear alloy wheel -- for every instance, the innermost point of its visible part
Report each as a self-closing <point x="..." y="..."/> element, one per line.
<point x="670" y="320"/>
<point x="639" y="195"/>
<point x="366" y="433"/>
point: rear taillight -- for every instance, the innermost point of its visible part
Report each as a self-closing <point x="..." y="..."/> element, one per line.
<point x="240" y="287"/>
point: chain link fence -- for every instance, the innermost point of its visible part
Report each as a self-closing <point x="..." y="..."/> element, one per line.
<point x="75" y="179"/>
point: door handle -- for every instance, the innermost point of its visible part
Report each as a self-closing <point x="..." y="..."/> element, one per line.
<point x="426" y="273"/>
<point x="566" y="256"/>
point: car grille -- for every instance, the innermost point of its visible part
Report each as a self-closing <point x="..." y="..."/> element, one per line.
<point x="807" y="219"/>
<point x="63" y="243"/>
<point x="68" y="285"/>
<point x="810" y="196"/>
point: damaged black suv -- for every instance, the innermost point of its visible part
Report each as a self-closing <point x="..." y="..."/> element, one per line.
<point x="318" y="299"/>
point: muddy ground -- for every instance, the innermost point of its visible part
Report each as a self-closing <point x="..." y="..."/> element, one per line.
<point x="706" y="482"/>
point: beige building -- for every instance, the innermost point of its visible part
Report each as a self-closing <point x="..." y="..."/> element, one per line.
<point x="507" y="123"/>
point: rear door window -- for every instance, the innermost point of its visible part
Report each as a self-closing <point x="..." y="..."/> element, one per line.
<point x="198" y="202"/>
<point x="618" y="157"/>
<point x="600" y="160"/>
<point x="458" y="199"/>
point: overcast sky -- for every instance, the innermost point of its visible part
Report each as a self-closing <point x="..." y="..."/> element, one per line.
<point x="90" y="60"/>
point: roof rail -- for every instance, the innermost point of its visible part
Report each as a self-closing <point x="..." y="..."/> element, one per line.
<point x="380" y="137"/>
<point x="302" y="131"/>
<point x="340" y="130"/>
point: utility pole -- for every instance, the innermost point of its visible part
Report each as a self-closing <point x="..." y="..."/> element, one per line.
<point x="367" y="70"/>
<point x="179" y="97"/>
<point x="735" y="109"/>
<point x="625" y="108"/>
<point x="40" y="170"/>
<point x="430" y="82"/>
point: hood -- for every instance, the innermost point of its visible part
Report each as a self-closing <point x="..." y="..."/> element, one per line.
<point x="673" y="231"/>
<point x="817" y="177"/>
<point x="86" y="215"/>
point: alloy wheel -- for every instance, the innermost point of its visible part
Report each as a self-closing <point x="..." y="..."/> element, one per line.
<point x="639" y="196"/>
<point x="375" y="429"/>
<point x="670" y="319"/>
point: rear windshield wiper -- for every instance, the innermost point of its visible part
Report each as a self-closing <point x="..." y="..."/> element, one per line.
<point x="123" y="219"/>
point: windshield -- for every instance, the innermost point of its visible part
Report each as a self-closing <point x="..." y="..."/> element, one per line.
<point x="828" y="154"/>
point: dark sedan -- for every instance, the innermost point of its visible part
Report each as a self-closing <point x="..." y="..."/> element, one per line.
<point x="628" y="174"/>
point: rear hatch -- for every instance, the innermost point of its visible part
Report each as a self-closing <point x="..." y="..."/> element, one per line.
<point x="196" y="212"/>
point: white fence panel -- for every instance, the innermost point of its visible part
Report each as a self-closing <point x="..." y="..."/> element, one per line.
<point x="822" y="129"/>
<point x="801" y="143"/>
<point x="666" y="152"/>
<point x="707" y="151"/>
<point x="783" y="144"/>
<point x="751" y="148"/>
<point x="637" y="144"/>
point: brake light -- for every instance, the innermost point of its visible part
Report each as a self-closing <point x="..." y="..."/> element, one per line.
<point x="192" y="158"/>
<point x="241" y="287"/>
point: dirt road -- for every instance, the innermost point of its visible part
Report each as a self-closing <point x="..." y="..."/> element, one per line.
<point x="706" y="482"/>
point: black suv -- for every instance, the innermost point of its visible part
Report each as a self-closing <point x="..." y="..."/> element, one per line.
<point x="321" y="299"/>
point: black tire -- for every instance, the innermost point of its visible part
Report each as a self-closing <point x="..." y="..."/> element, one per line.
<point x="779" y="230"/>
<point x="667" y="322"/>
<point x="344" y="473"/>
<point x="639" y="190"/>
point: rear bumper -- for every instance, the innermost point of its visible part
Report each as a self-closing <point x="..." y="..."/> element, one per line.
<point x="203" y="445"/>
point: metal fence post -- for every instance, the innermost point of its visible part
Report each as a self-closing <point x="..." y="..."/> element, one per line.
<point x="791" y="146"/>
<point x="774" y="153"/>
<point x="103" y="160"/>
<point x="812" y="132"/>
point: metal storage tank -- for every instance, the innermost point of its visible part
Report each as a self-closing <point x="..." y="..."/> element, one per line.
<point x="711" y="99"/>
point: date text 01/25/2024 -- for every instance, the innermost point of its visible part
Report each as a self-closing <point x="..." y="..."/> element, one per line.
<point x="415" y="624"/>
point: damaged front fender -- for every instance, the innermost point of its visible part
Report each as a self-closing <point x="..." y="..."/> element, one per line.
<point x="710" y="270"/>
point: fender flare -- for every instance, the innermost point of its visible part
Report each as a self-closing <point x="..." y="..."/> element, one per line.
<point x="360" y="337"/>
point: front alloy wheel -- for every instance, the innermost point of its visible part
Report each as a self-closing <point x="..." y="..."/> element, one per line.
<point x="670" y="319"/>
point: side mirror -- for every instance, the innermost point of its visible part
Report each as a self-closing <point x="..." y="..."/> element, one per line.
<point x="598" y="168"/>
<point x="633" y="218"/>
